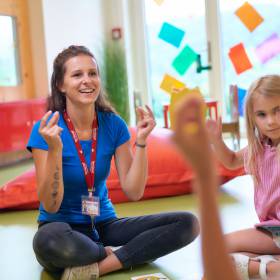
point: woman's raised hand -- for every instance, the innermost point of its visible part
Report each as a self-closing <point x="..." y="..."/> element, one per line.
<point x="146" y="123"/>
<point x="51" y="131"/>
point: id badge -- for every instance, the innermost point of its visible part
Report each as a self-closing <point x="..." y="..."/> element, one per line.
<point x="90" y="205"/>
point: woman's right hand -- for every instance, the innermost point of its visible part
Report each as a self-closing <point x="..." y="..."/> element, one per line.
<point x="51" y="131"/>
<point x="214" y="129"/>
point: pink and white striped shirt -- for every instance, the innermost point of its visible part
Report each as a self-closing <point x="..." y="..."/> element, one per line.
<point x="267" y="191"/>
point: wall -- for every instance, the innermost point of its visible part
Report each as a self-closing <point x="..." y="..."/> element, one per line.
<point x="89" y="23"/>
<point x="46" y="27"/>
<point x="128" y="15"/>
<point x="70" y="22"/>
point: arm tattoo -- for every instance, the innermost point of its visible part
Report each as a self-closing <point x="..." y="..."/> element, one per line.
<point x="55" y="185"/>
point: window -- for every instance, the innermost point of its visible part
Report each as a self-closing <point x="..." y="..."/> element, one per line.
<point x="9" y="64"/>
<point x="265" y="34"/>
<point x="189" y="18"/>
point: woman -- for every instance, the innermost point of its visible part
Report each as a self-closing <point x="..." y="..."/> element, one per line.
<point x="72" y="150"/>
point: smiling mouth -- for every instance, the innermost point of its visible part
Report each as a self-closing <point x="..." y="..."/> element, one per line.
<point x="87" y="91"/>
<point x="274" y="129"/>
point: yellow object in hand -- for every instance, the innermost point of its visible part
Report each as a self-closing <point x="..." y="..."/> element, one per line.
<point x="191" y="128"/>
<point x="175" y="99"/>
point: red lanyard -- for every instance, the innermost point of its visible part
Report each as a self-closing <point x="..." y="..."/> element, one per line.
<point x="89" y="174"/>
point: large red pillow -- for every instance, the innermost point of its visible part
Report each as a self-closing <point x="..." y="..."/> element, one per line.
<point x="168" y="175"/>
<point x="168" y="172"/>
<point x="20" y="193"/>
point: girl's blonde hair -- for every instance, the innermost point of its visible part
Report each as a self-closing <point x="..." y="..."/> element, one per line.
<point x="267" y="86"/>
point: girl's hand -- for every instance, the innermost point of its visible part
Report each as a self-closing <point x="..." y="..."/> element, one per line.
<point x="214" y="129"/>
<point x="51" y="131"/>
<point x="145" y="124"/>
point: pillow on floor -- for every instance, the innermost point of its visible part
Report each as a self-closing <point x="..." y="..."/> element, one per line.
<point x="168" y="175"/>
<point x="20" y="193"/>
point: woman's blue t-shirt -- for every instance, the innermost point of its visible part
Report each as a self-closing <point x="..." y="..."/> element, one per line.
<point x="112" y="132"/>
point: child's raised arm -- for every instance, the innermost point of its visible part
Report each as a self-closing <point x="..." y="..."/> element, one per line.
<point x="229" y="158"/>
<point x="192" y="139"/>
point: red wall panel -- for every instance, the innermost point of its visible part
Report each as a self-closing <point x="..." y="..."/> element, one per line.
<point x="16" y="121"/>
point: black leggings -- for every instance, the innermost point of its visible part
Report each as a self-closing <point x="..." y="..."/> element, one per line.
<point x="58" y="245"/>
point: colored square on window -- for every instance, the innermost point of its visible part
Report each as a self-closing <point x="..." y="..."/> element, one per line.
<point x="269" y="48"/>
<point x="169" y="83"/>
<point x="239" y="58"/>
<point x="171" y="34"/>
<point x="159" y="2"/>
<point x="249" y="16"/>
<point x="184" y="60"/>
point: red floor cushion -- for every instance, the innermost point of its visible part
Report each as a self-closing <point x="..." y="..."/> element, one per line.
<point x="20" y="193"/>
<point x="168" y="175"/>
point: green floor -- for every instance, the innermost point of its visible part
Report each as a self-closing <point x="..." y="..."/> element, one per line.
<point x="10" y="172"/>
<point x="17" y="260"/>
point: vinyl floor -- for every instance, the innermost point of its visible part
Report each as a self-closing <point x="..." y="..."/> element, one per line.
<point x="17" y="260"/>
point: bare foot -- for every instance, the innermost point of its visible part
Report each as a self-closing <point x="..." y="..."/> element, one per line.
<point x="273" y="269"/>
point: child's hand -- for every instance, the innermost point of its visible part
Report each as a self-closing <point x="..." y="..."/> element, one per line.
<point x="190" y="133"/>
<point x="146" y="123"/>
<point x="51" y="131"/>
<point x="214" y="129"/>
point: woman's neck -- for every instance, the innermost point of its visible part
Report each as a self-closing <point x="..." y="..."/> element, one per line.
<point x="81" y="118"/>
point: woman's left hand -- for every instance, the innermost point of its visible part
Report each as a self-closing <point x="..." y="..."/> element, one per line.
<point x="145" y="124"/>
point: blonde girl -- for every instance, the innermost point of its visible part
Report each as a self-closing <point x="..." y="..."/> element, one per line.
<point x="261" y="159"/>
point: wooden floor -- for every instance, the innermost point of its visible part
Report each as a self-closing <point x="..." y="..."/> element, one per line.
<point x="17" y="260"/>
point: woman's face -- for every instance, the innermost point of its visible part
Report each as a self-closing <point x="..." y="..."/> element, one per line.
<point x="81" y="83"/>
<point x="266" y="111"/>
